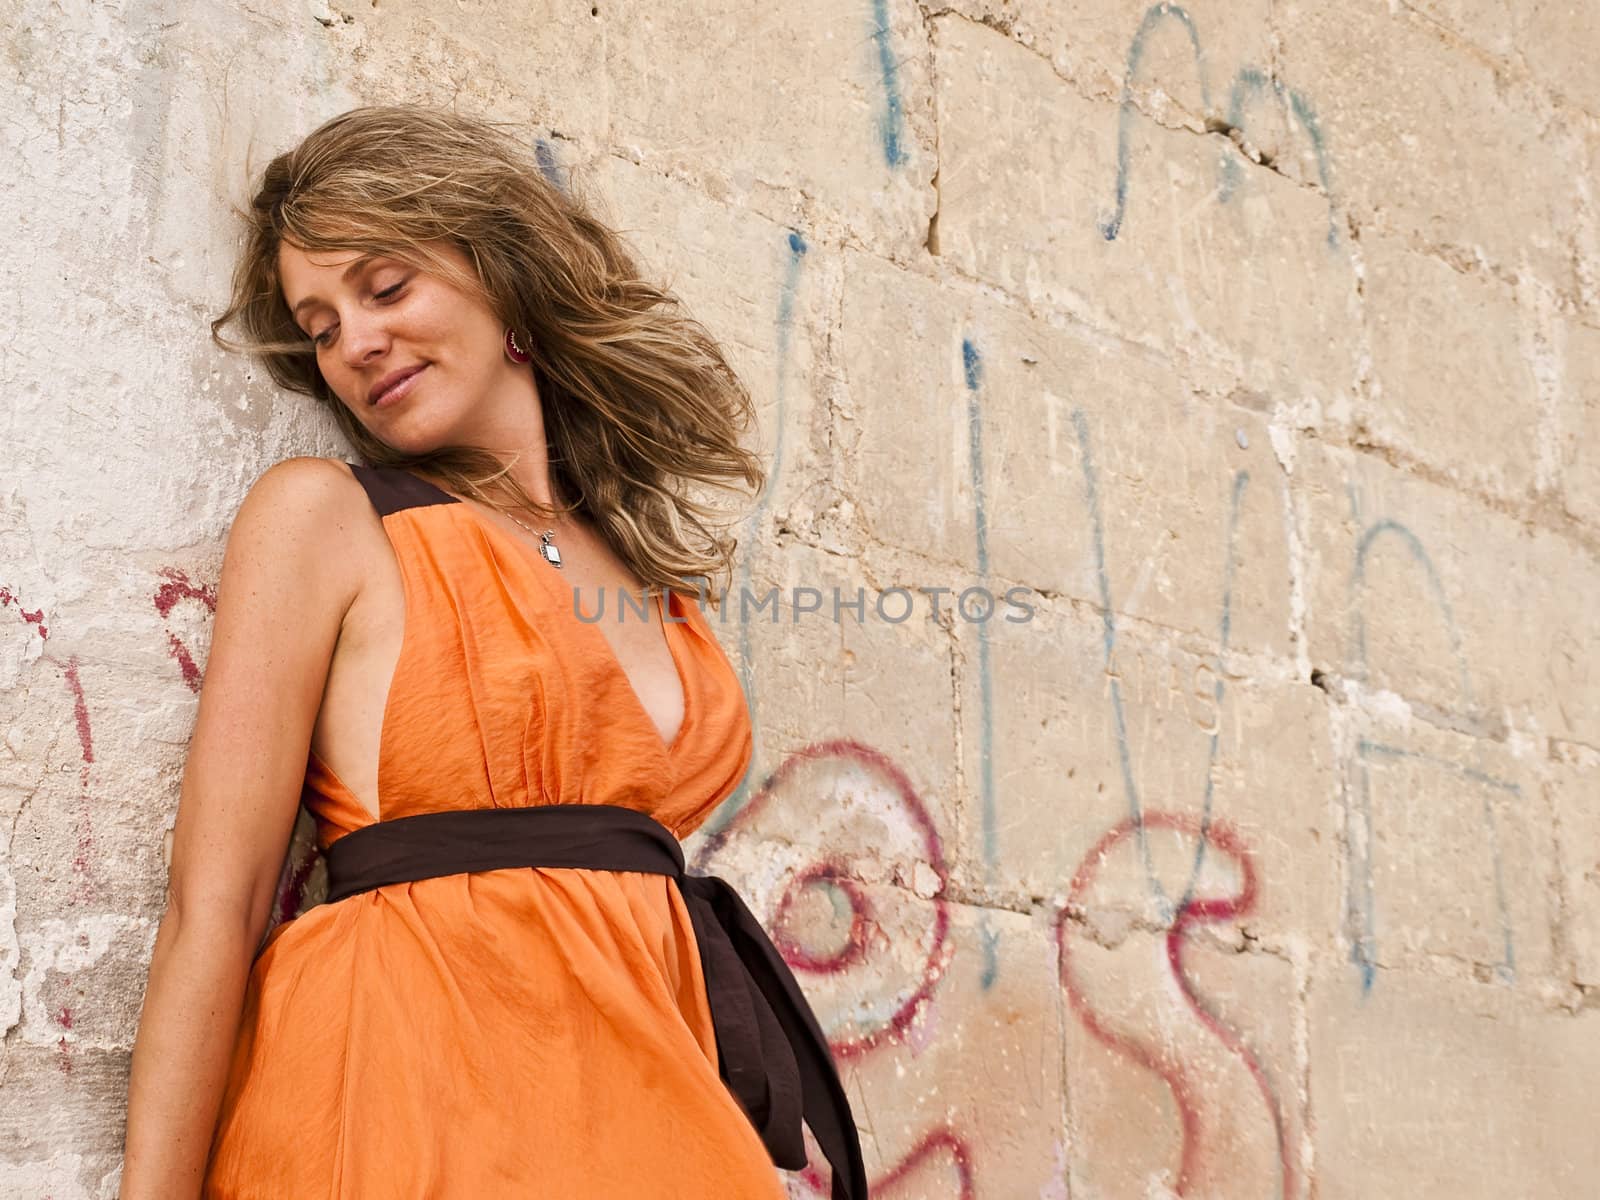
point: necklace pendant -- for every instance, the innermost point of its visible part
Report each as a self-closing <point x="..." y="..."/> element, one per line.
<point x="548" y="548"/>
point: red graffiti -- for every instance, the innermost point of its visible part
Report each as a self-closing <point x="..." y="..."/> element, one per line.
<point x="80" y="715"/>
<point x="84" y="888"/>
<point x="828" y="876"/>
<point x="8" y="599"/>
<point x="940" y="1142"/>
<point x="63" y="1047"/>
<point x="1160" y="1061"/>
<point x="179" y="587"/>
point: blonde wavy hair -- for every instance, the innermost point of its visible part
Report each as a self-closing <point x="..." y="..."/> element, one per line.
<point x="637" y="396"/>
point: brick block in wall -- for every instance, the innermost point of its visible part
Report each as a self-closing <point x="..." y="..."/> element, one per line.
<point x="760" y="109"/>
<point x="1429" y="1086"/>
<point x="814" y="678"/>
<point x="1449" y="854"/>
<point x="1587" y="238"/>
<point x="1452" y="384"/>
<point x="1423" y="138"/>
<point x="1419" y="590"/>
<point x="1557" y="43"/>
<point x="1184" y="1066"/>
<point x="1157" y="235"/>
<point x="976" y="1107"/>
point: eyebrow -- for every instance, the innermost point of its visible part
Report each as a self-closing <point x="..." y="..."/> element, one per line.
<point x="345" y="278"/>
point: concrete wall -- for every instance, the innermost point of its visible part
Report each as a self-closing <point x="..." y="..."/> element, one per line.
<point x="1259" y="338"/>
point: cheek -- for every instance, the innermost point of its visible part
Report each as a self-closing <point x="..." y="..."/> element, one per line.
<point x="445" y="329"/>
<point x="337" y="380"/>
<point x="342" y="383"/>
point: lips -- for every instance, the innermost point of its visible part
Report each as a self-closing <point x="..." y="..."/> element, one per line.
<point x="391" y="381"/>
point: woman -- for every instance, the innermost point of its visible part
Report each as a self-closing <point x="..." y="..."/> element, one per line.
<point x="513" y="988"/>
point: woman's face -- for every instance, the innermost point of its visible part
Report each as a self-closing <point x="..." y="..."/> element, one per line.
<point x="373" y="318"/>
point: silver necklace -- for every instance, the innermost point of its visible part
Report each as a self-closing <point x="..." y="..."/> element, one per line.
<point x="547" y="548"/>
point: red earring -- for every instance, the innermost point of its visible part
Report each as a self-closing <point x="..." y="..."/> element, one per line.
<point x="516" y="352"/>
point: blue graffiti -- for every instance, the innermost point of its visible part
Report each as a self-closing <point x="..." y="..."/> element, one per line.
<point x="1419" y="555"/>
<point x="972" y="372"/>
<point x="889" y="124"/>
<point x="1240" y="480"/>
<point x="794" y="259"/>
<point x="1251" y="82"/>
<point x="1361" y="908"/>
<point x="1108" y="641"/>
<point x="544" y="153"/>
<point x="1248" y="83"/>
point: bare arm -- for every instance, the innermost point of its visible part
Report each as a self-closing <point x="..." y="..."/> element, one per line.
<point x="288" y="578"/>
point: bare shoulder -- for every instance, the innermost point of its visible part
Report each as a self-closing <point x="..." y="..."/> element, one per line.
<point x="316" y="510"/>
<point x="306" y="478"/>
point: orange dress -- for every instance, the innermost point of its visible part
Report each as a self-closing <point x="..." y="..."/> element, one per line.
<point x="525" y="1032"/>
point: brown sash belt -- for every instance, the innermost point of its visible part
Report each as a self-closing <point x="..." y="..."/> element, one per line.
<point x="772" y="1053"/>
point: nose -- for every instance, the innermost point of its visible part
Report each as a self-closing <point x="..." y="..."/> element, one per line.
<point x="363" y="338"/>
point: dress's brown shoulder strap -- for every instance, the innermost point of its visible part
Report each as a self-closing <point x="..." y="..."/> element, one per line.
<point x="392" y="489"/>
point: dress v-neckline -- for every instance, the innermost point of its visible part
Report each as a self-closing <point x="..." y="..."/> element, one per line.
<point x="667" y="749"/>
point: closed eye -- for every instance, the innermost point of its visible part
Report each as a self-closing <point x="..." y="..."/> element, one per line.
<point x="322" y="338"/>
